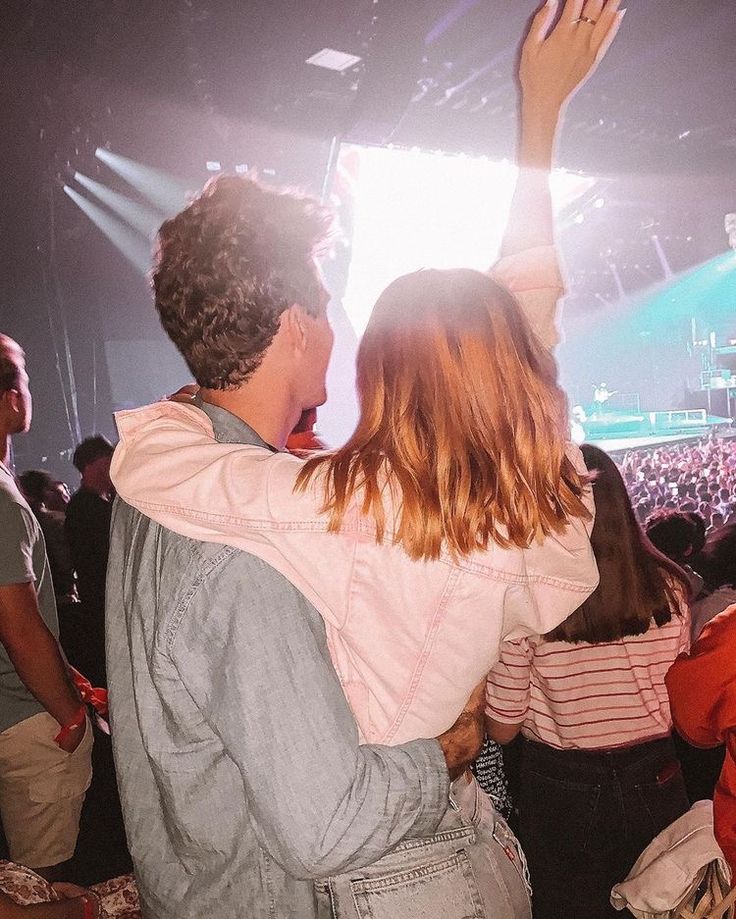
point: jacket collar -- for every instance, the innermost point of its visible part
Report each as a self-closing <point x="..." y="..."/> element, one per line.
<point x="228" y="428"/>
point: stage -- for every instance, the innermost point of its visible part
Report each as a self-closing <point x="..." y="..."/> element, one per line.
<point x="617" y="431"/>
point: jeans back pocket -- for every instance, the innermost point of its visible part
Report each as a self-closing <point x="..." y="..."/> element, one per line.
<point x="445" y="888"/>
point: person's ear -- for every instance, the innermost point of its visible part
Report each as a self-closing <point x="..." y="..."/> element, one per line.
<point x="12" y="400"/>
<point x="294" y="327"/>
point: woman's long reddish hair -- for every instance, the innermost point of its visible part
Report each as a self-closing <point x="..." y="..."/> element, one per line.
<point x="461" y="421"/>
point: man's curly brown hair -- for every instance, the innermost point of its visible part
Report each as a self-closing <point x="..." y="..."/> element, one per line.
<point x="228" y="266"/>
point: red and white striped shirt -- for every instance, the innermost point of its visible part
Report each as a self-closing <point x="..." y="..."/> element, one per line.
<point x="588" y="697"/>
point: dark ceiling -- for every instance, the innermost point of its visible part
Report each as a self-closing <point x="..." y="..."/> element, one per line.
<point x="435" y="73"/>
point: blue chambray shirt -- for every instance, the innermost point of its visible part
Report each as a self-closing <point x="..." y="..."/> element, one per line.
<point x="241" y="776"/>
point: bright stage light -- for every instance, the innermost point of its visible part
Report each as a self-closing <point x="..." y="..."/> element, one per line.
<point x="331" y="59"/>
<point x="139" y="216"/>
<point x="136" y="250"/>
<point x="161" y="189"/>
<point x="414" y="209"/>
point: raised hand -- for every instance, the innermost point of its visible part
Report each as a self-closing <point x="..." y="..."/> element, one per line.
<point x="555" y="62"/>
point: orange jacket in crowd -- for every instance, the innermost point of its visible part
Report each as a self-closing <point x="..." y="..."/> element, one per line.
<point x="702" y="689"/>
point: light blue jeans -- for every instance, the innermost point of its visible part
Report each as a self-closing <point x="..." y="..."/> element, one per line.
<point x="472" y="868"/>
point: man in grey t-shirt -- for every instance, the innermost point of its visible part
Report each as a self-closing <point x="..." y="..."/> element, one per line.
<point x="45" y="737"/>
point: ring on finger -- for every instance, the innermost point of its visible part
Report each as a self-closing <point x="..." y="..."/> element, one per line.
<point x="590" y="22"/>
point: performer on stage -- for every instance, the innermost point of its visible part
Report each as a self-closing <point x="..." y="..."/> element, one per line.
<point x="601" y="395"/>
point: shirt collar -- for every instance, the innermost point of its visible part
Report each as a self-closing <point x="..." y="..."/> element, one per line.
<point x="228" y="428"/>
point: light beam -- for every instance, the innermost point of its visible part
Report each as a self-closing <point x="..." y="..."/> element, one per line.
<point x="139" y="216"/>
<point x="123" y="237"/>
<point x="161" y="189"/>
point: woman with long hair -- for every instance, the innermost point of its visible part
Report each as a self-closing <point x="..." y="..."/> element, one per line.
<point x="599" y="774"/>
<point x="469" y="459"/>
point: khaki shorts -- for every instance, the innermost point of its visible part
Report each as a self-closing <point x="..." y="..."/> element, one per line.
<point x="42" y="790"/>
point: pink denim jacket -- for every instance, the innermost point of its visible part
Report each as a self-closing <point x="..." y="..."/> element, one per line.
<point x="409" y="640"/>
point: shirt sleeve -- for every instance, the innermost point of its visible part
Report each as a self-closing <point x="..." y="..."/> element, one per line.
<point x="701" y="685"/>
<point x="16" y="546"/>
<point x="321" y="803"/>
<point x="508" y="689"/>
<point x="534" y="276"/>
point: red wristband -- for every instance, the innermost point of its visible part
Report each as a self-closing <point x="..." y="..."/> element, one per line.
<point x="67" y="729"/>
<point x="92" y="905"/>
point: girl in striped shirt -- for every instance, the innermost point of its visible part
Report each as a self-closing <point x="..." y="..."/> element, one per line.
<point x="599" y="774"/>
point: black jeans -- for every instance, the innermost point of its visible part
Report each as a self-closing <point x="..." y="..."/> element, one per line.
<point x="585" y="817"/>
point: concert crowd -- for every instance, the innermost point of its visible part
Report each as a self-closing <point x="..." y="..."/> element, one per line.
<point x="696" y="477"/>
